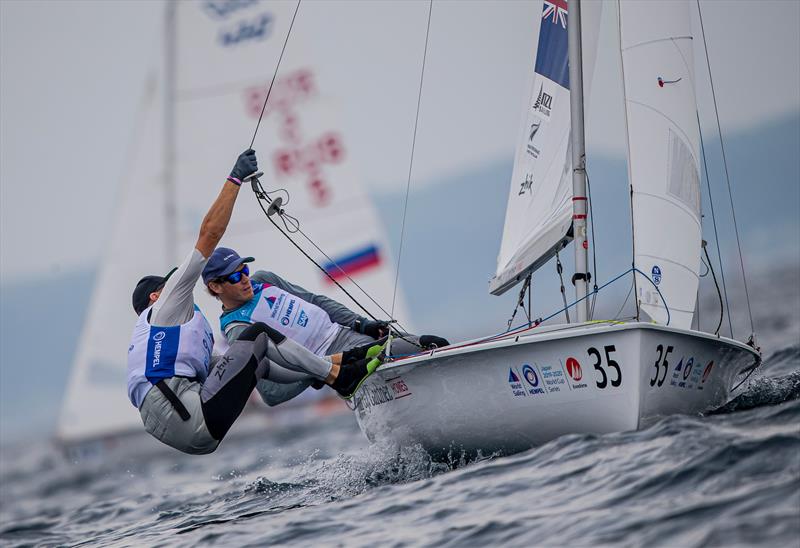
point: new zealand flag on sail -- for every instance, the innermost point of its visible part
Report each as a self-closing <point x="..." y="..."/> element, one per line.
<point x="552" y="59"/>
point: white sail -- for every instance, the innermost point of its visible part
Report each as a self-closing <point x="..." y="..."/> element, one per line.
<point x="539" y="211"/>
<point x="95" y="402"/>
<point x="663" y="152"/>
<point x="226" y="61"/>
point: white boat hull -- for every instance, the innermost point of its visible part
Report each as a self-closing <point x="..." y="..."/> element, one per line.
<point x="512" y="394"/>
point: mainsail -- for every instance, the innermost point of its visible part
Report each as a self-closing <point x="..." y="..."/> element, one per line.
<point x="539" y="211"/>
<point x="226" y="54"/>
<point x="663" y="152"/>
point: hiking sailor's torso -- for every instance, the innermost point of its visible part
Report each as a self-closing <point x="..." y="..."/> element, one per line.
<point x="158" y="353"/>
<point x="304" y="322"/>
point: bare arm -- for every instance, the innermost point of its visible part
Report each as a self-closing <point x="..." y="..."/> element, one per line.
<point x="216" y="220"/>
<point x="218" y="216"/>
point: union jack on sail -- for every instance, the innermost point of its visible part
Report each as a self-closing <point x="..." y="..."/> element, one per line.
<point x="556" y="10"/>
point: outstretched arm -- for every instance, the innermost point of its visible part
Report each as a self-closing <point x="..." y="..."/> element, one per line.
<point x="219" y="215"/>
<point x="175" y="305"/>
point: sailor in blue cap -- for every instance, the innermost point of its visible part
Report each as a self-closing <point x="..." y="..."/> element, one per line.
<point x="316" y="322"/>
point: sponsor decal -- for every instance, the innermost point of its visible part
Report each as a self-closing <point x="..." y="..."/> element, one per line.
<point x="530" y="375"/>
<point x="270" y="301"/>
<point x="285" y="320"/>
<point x="252" y="29"/>
<point x="515" y="384"/>
<point x="574" y="369"/>
<point x="544" y="102"/>
<point x="532" y="379"/>
<point x="302" y="319"/>
<point x="534" y="129"/>
<point x="399" y="387"/>
<point x="130" y="349"/>
<point x="676" y="373"/>
<point x="656" y="274"/>
<point x="374" y="394"/>
<point x="553" y="378"/>
<point x="277" y="306"/>
<point x="371" y="395"/>
<point x="159" y="336"/>
<point x="526" y="185"/>
<point x="688" y="368"/>
<point x="707" y="370"/>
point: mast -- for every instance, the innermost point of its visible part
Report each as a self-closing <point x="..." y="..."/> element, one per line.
<point x="168" y="171"/>
<point x="579" y="209"/>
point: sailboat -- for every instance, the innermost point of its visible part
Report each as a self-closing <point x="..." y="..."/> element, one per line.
<point x="515" y="390"/>
<point x="219" y="57"/>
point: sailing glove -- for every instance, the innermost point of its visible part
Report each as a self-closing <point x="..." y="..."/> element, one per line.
<point x="373" y="328"/>
<point x="246" y="164"/>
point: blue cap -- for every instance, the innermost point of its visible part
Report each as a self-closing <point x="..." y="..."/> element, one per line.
<point x="223" y="261"/>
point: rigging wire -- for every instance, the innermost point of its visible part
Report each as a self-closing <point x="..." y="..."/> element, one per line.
<point x="714" y="222"/>
<point x="411" y="161"/>
<point x="261" y="194"/>
<point x="727" y="176"/>
<point x="275" y="74"/>
<point x="719" y="294"/>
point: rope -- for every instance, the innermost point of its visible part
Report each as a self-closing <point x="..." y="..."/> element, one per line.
<point x="411" y="161"/>
<point x="275" y="74"/>
<point x="523" y="328"/>
<point x="560" y="270"/>
<point x="714" y="222"/>
<point x="727" y="176"/>
<point x="261" y="194"/>
<point x="714" y="277"/>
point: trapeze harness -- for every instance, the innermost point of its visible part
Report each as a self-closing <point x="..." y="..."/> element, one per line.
<point x="159" y="353"/>
<point x="303" y="322"/>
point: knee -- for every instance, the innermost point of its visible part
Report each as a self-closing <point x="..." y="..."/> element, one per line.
<point x="257" y="328"/>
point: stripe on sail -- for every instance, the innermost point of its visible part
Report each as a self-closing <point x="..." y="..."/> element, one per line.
<point x="354" y="262"/>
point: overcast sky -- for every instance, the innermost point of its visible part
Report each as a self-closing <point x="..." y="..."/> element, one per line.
<point x="72" y="74"/>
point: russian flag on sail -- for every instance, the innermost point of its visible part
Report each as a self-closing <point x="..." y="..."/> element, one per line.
<point x="354" y="262"/>
<point x="552" y="58"/>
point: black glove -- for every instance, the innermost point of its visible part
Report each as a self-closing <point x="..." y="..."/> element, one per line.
<point x="246" y="164"/>
<point x="373" y="328"/>
<point x="317" y="384"/>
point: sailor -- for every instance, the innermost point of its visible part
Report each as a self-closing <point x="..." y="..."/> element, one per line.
<point x="198" y="395"/>
<point x="316" y="322"/>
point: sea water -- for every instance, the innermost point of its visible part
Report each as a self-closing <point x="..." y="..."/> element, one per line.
<point x="729" y="478"/>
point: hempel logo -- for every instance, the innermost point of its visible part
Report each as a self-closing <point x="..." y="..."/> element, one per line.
<point x="158" y="337"/>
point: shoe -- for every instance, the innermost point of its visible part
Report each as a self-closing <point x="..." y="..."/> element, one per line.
<point x="352" y="375"/>
<point x="360" y="352"/>
<point x="432" y="341"/>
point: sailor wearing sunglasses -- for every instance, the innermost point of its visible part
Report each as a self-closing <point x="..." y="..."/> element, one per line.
<point x="198" y="396"/>
<point x="318" y="323"/>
